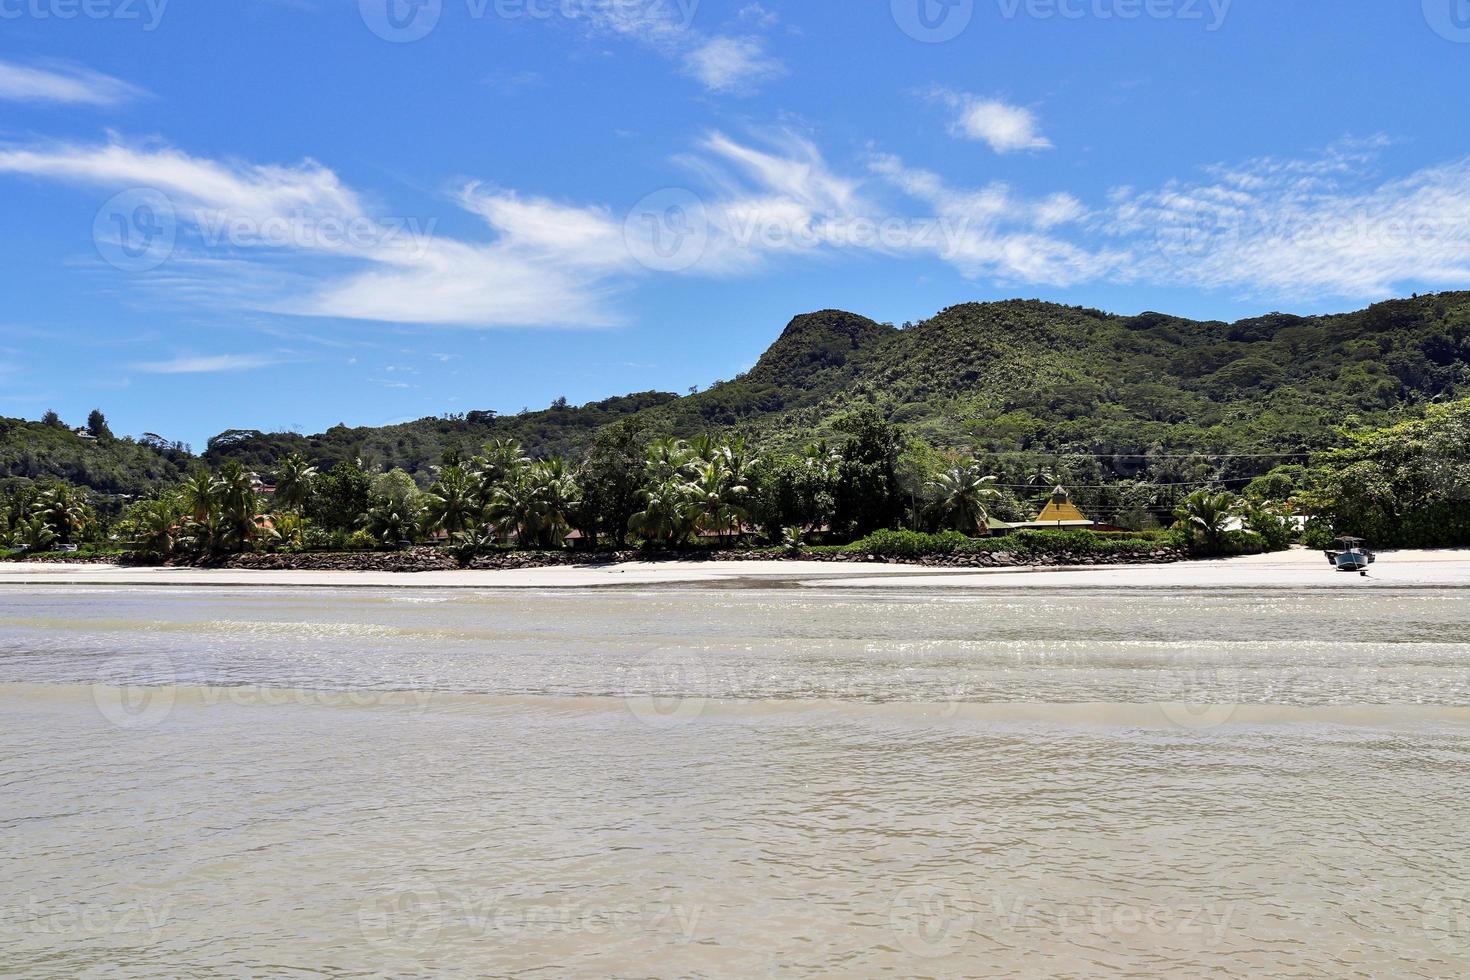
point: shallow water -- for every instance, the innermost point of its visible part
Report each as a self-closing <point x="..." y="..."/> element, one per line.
<point x="703" y="782"/>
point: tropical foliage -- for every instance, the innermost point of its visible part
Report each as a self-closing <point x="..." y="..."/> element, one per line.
<point x="1406" y="485"/>
<point x="846" y="427"/>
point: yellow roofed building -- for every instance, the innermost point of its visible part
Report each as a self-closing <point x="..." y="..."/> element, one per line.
<point x="1061" y="512"/>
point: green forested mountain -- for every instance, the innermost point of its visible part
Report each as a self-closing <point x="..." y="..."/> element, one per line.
<point x="1010" y="377"/>
<point x="40" y="451"/>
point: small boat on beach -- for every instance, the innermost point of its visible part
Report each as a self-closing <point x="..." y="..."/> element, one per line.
<point x="1351" y="555"/>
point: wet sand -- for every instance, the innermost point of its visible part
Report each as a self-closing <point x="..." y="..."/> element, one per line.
<point x="1292" y="570"/>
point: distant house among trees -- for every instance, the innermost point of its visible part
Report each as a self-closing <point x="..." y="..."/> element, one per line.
<point x="1060" y="512"/>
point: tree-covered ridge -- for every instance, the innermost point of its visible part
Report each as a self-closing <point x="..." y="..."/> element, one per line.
<point x="92" y="457"/>
<point x="1016" y="376"/>
<point x="419" y="447"/>
<point x="1087" y="395"/>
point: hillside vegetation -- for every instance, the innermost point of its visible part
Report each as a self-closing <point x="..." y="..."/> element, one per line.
<point x="1021" y="381"/>
<point x="40" y="451"/>
<point x="1018" y="375"/>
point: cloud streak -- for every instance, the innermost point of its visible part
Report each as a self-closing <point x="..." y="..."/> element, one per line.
<point x="215" y="364"/>
<point x="63" y="84"/>
<point x="296" y="240"/>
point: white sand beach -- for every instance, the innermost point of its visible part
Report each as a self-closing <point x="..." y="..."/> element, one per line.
<point x="1295" y="569"/>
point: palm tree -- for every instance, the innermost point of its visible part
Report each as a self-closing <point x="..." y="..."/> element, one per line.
<point x="35" y="534"/>
<point x="197" y="494"/>
<point x="823" y="458"/>
<point x="157" y="530"/>
<point x="501" y="460"/>
<point x="719" y="497"/>
<point x="64" y="509"/>
<point x="451" y="502"/>
<point x="668" y="459"/>
<point x="235" y="496"/>
<point x="289" y="530"/>
<point x="670" y="514"/>
<point x="704" y="448"/>
<point x="293" y="482"/>
<point x="537" y="503"/>
<point x="393" y="523"/>
<point x="1207" y="513"/>
<point x="960" y="497"/>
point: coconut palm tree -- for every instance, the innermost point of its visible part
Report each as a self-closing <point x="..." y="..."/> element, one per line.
<point x="235" y="496"/>
<point x="719" y="497"/>
<point x="35" y="534"/>
<point x="670" y="512"/>
<point x="198" y="497"/>
<point x="294" y="478"/>
<point x="393" y="523"/>
<point x="157" y="531"/>
<point x="64" y="509"/>
<point x="704" y="448"/>
<point x="537" y="504"/>
<point x="822" y="458"/>
<point x="1206" y="514"/>
<point x="961" y="497"/>
<point x="452" y="501"/>
<point x="500" y="461"/>
<point x="668" y="459"/>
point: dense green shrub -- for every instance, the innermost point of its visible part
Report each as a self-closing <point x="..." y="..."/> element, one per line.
<point x="1404" y="486"/>
<point x="909" y="544"/>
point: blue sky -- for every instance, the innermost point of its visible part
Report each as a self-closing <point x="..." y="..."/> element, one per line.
<point x="292" y="213"/>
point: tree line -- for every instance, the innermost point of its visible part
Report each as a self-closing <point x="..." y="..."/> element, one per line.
<point x="628" y="487"/>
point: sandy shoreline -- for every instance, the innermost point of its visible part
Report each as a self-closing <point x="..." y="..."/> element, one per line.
<point x="1296" y="570"/>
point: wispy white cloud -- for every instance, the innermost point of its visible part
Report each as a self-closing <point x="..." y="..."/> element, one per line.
<point x="1279" y="228"/>
<point x="1007" y="128"/>
<point x="995" y="233"/>
<point x="547" y="263"/>
<point x="215" y="364"/>
<point x="63" y="83"/>
<point x="1288" y="228"/>
<point x="732" y="64"/>
<point x="724" y="63"/>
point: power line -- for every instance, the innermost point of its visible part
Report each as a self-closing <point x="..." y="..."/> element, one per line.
<point x="1118" y="486"/>
<point x="1057" y="454"/>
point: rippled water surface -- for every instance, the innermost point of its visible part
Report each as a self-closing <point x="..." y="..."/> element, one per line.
<point x="674" y="782"/>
